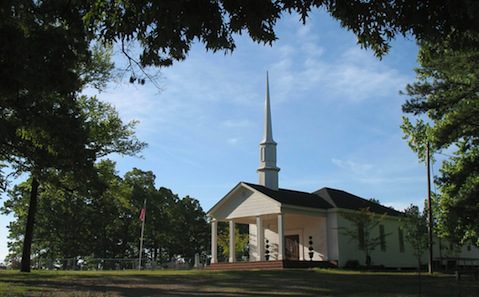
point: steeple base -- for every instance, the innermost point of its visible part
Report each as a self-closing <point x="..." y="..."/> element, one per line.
<point x="268" y="177"/>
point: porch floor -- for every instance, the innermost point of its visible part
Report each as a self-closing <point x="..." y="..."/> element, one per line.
<point x="277" y="264"/>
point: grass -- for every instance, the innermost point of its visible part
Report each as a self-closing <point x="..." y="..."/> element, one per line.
<point x="318" y="282"/>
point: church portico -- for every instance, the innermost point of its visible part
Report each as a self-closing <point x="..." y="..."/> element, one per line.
<point x="290" y="233"/>
<point x="276" y="241"/>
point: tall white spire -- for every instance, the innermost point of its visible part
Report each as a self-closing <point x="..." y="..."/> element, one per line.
<point x="268" y="171"/>
<point x="268" y="130"/>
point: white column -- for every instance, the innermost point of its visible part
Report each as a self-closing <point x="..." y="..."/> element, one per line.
<point x="281" y="252"/>
<point x="232" y="242"/>
<point x="260" y="238"/>
<point x="214" y="242"/>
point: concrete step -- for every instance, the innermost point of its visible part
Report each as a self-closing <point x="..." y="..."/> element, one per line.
<point x="247" y="265"/>
<point x="270" y="265"/>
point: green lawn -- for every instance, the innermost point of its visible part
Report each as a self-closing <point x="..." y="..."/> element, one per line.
<point x="234" y="283"/>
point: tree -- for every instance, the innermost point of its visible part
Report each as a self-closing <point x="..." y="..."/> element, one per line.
<point x="174" y="226"/>
<point x="141" y="186"/>
<point x="194" y="231"/>
<point x="17" y="198"/>
<point x="364" y="222"/>
<point x="109" y="217"/>
<point x="42" y="123"/>
<point x="445" y="103"/>
<point x="42" y="67"/>
<point x="100" y="220"/>
<point x="241" y="241"/>
<point x="415" y="225"/>
<point x="75" y="219"/>
<point x="164" y="239"/>
<point x="416" y="230"/>
<point x="166" y="30"/>
<point x="100" y="132"/>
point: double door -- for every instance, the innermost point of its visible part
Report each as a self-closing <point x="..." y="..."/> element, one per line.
<point x="291" y="246"/>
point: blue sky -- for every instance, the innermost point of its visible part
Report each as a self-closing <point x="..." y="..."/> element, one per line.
<point x="336" y="113"/>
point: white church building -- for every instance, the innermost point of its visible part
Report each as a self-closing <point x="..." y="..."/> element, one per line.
<point x="289" y="228"/>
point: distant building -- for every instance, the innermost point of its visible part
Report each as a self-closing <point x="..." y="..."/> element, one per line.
<point x="289" y="228"/>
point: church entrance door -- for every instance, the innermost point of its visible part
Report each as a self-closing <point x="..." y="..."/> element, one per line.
<point x="292" y="247"/>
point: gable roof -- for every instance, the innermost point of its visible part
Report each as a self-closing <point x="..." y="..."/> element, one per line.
<point x="291" y="197"/>
<point x="342" y="199"/>
<point x="232" y="195"/>
<point x="325" y="198"/>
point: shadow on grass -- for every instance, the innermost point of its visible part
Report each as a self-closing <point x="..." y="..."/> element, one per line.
<point x="246" y="283"/>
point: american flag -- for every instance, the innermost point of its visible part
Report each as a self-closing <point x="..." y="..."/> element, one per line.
<point x="142" y="214"/>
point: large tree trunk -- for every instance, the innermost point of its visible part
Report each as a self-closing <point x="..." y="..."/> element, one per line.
<point x="27" y="241"/>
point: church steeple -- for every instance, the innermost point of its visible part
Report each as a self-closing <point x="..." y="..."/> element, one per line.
<point x="268" y="130"/>
<point x="268" y="171"/>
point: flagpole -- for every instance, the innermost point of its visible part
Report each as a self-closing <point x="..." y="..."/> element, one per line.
<point x="142" y="230"/>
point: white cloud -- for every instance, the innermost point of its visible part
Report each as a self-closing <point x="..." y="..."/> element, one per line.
<point x="360" y="76"/>
<point x="352" y="75"/>
<point x="376" y="179"/>
<point x="304" y="31"/>
<point x="286" y="51"/>
<point x="311" y="49"/>
<point x="233" y="140"/>
<point x="202" y="81"/>
<point x="237" y="123"/>
<point x="374" y="175"/>
<point x="354" y="167"/>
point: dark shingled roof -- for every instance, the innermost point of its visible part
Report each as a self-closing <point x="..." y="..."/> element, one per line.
<point x="324" y="198"/>
<point x="342" y="199"/>
<point x="291" y="197"/>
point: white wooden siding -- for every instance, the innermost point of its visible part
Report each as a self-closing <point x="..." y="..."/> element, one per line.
<point x="245" y="203"/>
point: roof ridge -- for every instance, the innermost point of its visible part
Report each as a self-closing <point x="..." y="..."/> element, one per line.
<point x="279" y="189"/>
<point x="339" y="190"/>
<point x="329" y="188"/>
